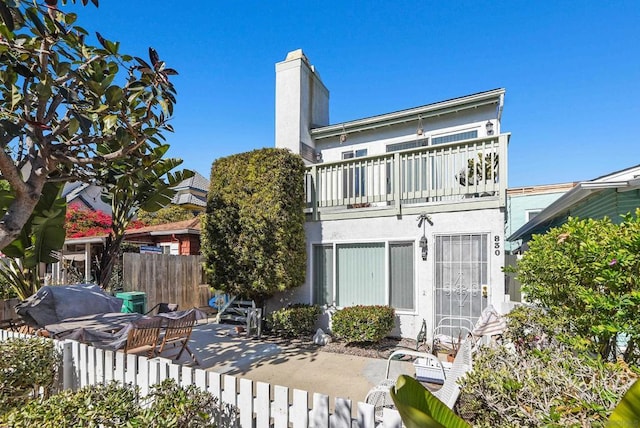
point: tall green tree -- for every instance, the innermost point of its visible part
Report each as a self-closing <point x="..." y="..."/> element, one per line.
<point x="67" y="107"/>
<point x="253" y="239"/>
<point x="169" y="214"/>
<point x="130" y="185"/>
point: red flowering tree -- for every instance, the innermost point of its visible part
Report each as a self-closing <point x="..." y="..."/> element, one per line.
<point x="81" y="222"/>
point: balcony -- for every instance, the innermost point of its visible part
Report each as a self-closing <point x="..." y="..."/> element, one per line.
<point x="463" y="175"/>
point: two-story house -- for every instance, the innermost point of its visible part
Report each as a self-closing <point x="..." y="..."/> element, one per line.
<point x="404" y="208"/>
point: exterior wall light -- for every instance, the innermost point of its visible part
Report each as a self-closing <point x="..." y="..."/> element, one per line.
<point x="424" y="243"/>
<point x="489" y="127"/>
<point x="424" y="246"/>
<point x="318" y="156"/>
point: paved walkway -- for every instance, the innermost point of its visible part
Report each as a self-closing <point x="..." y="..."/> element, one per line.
<point x="219" y="348"/>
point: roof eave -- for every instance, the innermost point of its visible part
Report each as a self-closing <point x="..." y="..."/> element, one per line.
<point x="562" y="204"/>
<point x="431" y="110"/>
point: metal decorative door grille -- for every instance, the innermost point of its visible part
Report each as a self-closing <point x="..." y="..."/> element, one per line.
<point x="461" y="269"/>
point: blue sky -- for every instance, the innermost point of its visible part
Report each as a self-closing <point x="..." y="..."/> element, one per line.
<point x="571" y="70"/>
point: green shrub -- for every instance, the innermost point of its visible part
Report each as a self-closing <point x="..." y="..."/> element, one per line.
<point x="359" y="324"/>
<point x="536" y="380"/>
<point x="295" y="320"/>
<point x="114" y="405"/>
<point x="253" y="240"/>
<point x="26" y="365"/>
<point x="587" y="271"/>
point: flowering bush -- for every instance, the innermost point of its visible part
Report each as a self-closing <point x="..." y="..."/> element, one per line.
<point x="81" y="222"/>
<point x="535" y="380"/>
<point x="586" y="271"/>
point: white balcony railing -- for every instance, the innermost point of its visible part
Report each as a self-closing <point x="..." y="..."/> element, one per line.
<point x="446" y="173"/>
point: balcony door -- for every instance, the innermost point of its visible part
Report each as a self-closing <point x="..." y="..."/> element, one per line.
<point x="353" y="182"/>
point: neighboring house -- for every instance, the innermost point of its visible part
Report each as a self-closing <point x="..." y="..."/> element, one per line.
<point x="369" y="183"/>
<point x="179" y="238"/>
<point x="191" y="194"/>
<point x="79" y="254"/>
<point x="524" y="203"/>
<point x="88" y="196"/>
<point x="611" y="195"/>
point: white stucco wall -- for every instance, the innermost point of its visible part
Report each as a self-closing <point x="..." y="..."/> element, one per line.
<point x="393" y="229"/>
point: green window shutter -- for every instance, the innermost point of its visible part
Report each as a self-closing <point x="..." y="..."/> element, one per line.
<point x="323" y="274"/>
<point x="401" y="281"/>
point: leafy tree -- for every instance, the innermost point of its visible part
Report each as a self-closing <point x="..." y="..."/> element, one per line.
<point x="68" y="107"/>
<point x="38" y="242"/>
<point x="132" y="184"/>
<point x="253" y="239"/>
<point x="170" y="214"/>
<point x="587" y="271"/>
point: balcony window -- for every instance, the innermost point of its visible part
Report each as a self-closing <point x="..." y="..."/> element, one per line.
<point x="468" y="135"/>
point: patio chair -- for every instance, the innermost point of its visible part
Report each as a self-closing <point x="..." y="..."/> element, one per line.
<point x="143" y="336"/>
<point x="178" y="332"/>
<point x="462" y="364"/>
<point x="430" y="368"/>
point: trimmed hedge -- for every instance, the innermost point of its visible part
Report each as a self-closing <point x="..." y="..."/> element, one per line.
<point x="253" y="240"/>
<point x="360" y="324"/>
<point x="295" y="320"/>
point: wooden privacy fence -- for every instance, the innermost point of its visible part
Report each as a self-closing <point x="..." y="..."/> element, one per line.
<point x="259" y="404"/>
<point x="166" y="278"/>
<point x="7" y="309"/>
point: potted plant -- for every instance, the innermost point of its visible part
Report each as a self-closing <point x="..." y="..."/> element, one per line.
<point x="483" y="168"/>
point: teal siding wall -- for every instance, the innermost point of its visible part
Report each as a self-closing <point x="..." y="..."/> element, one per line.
<point x="609" y="203"/>
<point x="517" y="207"/>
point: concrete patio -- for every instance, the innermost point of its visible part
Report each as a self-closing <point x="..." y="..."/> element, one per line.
<point x="219" y="348"/>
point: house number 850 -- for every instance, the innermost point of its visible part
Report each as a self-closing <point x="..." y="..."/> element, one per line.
<point x="496" y="245"/>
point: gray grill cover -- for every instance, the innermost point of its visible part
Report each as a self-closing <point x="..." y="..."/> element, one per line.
<point x="52" y="304"/>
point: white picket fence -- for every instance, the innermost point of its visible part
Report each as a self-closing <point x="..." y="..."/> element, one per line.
<point x="260" y="405"/>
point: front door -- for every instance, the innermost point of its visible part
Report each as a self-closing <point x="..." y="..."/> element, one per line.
<point x="461" y="271"/>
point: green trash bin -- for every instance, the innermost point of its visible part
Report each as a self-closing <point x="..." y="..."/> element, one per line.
<point x="133" y="301"/>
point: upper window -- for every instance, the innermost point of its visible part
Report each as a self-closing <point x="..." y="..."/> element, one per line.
<point x="406" y="145"/>
<point x="455" y="137"/>
<point x="531" y="214"/>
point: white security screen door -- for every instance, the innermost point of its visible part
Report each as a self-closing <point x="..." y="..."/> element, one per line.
<point x="461" y="269"/>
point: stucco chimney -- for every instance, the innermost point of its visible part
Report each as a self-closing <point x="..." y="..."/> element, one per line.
<point x="302" y="101"/>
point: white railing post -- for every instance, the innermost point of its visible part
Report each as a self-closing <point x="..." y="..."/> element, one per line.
<point x="503" y="141"/>
<point x="397" y="187"/>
